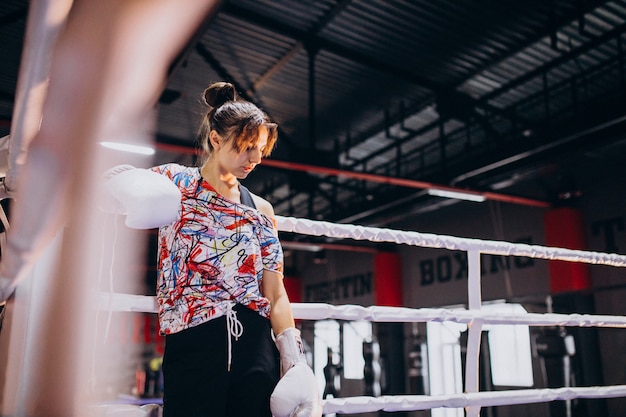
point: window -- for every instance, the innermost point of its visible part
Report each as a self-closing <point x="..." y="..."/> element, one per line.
<point x="509" y="349"/>
<point x="354" y="334"/>
<point x="327" y="335"/>
<point x="444" y="363"/>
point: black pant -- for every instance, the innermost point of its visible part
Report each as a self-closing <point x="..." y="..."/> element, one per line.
<point x="197" y="382"/>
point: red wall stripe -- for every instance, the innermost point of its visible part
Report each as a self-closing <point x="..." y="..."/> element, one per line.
<point x="564" y="229"/>
<point x="388" y="279"/>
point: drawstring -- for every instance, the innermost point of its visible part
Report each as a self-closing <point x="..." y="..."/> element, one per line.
<point x="234" y="327"/>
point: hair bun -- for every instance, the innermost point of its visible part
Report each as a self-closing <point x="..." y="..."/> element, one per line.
<point x="219" y="93"/>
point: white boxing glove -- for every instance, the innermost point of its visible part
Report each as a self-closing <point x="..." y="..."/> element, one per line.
<point x="296" y="394"/>
<point x="148" y="199"/>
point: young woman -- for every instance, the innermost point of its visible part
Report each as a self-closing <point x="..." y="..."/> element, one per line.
<point x="220" y="289"/>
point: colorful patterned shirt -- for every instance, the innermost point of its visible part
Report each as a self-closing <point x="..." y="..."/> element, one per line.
<point x="214" y="254"/>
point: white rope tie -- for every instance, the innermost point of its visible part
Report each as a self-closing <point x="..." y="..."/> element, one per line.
<point x="235" y="329"/>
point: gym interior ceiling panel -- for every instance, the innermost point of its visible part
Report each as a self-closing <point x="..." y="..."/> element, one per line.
<point x="485" y="95"/>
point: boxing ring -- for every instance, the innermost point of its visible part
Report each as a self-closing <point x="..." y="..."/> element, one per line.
<point x="472" y="399"/>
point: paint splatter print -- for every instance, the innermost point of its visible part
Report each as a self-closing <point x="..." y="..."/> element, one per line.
<point x="212" y="255"/>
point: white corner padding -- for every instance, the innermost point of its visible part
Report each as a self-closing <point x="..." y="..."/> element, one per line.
<point x="148" y="199"/>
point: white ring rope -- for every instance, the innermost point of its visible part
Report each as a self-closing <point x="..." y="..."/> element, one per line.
<point x="320" y="311"/>
<point x="474" y="317"/>
<point x="362" y="404"/>
<point x="355" y="405"/>
<point x="428" y="240"/>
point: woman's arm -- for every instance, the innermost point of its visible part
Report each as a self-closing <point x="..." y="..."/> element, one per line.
<point x="296" y="394"/>
<point x="272" y="287"/>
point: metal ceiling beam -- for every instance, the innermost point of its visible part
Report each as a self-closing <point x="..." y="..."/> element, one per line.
<point x="303" y="37"/>
<point x="382" y="66"/>
<point x="401" y="182"/>
<point x="299" y="45"/>
<point x="311" y="37"/>
<point x="611" y="127"/>
<point x="313" y="42"/>
<point x="615" y="33"/>
<point x="588" y="137"/>
<point x="484" y="101"/>
<point x="479" y="119"/>
<point x="581" y="9"/>
<point x="605" y="37"/>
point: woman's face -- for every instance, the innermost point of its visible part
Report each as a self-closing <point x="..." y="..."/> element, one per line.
<point x="240" y="164"/>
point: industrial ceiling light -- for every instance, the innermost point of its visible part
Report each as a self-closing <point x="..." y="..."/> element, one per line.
<point x="457" y="195"/>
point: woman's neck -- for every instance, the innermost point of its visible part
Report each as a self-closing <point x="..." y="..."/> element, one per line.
<point x="225" y="184"/>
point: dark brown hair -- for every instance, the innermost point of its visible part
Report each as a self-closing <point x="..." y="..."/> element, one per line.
<point x="237" y="121"/>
